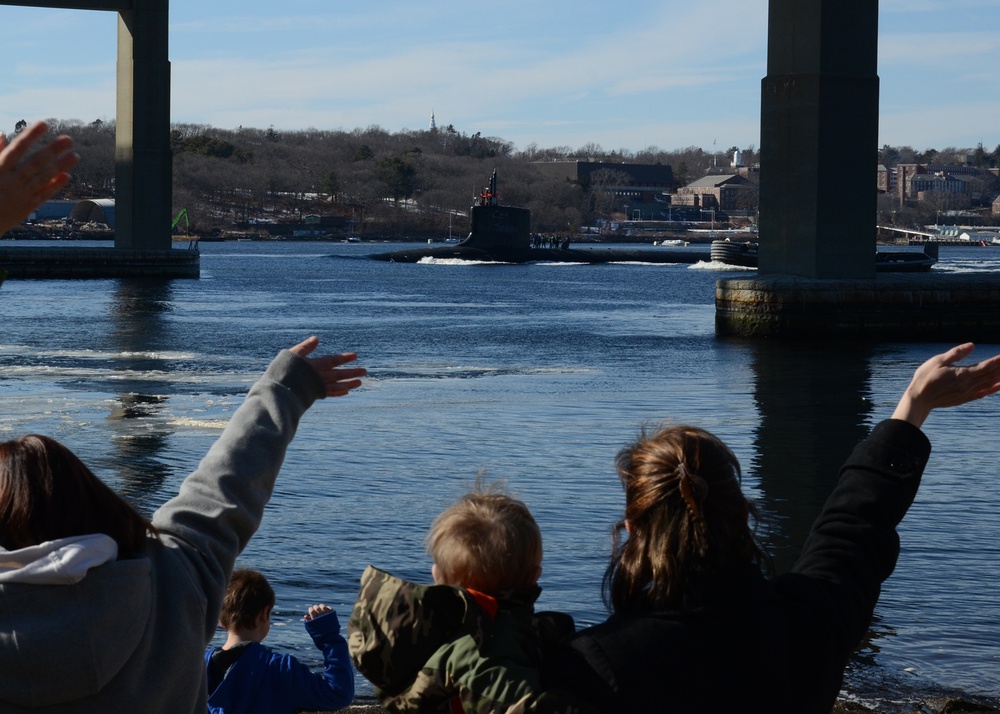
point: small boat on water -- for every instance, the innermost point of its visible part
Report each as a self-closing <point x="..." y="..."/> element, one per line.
<point x="741" y="253"/>
<point x="899" y="261"/>
<point x="745" y="253"/>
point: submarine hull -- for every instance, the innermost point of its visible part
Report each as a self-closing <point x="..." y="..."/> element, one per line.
<point x="553" y="255"/>
<point x="502" y="234"/>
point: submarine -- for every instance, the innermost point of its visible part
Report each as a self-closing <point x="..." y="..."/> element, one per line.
<point x="502" y="234"/>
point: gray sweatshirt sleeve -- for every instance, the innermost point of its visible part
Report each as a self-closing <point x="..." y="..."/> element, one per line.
<point x="220" y="505"/>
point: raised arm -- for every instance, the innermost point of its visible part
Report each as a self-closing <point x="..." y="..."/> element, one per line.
<point x="26" y="183"/>
<point x="938" y="383"/>
<point x="333" y="688"/>
<point x="853" y="546"/>
<point x="220" y="505"/>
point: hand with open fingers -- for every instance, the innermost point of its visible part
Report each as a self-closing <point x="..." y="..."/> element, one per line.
<point x="337" y="379"/>
<point x="939" y="383"/>
<point x="28" y="181"/>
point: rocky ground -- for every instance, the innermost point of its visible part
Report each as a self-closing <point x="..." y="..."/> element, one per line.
<point x="930" y="706"/>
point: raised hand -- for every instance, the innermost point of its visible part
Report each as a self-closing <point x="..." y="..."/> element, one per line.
<point x="26" y="183"/>
<point x="339" y="381"/>
<point x="938" y="383"/>
<point x="316" y="611"/>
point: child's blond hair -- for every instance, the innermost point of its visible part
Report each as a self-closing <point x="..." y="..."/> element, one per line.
<point x="487" y="541"/>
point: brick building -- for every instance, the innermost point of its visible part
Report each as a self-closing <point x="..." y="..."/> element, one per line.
<point x="725" y="192"/>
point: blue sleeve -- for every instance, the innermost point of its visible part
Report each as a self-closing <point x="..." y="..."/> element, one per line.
<point x="334" y="687"/>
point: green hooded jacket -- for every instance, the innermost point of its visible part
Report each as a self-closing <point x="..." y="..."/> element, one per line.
<point x="441" y="648"/>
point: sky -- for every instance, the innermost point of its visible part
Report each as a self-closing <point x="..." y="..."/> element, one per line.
<point x="549" y="73"/>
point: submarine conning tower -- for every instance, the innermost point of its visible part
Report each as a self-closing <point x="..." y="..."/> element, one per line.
<point x="496" y="227"/>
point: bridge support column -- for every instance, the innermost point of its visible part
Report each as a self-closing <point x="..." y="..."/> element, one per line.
<point x="143" y="162"/>
<point x="819" y="131"/>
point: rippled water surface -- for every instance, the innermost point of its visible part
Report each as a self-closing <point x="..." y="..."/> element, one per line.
<point x="536" y="374"/>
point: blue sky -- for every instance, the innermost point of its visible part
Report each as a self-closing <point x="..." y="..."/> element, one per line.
<point x="647" y="73"/>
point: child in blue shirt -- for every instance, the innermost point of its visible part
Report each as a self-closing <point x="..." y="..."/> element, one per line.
<point x="245" y="677"/>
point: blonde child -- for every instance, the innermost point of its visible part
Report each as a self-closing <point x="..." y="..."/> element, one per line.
<point x="472" y="641"/>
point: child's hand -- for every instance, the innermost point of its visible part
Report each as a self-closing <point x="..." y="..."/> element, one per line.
<point x="317" y="610"/>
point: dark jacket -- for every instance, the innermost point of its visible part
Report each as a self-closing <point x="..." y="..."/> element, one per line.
<point x="265" y="682"/>
<point x="783" y="642"/>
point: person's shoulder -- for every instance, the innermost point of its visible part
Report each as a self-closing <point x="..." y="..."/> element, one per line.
<point x="394" y="603"/>
<point x="424" y="620"/>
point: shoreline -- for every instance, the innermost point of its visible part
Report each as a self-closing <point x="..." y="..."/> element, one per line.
<point x="930" y="705"/>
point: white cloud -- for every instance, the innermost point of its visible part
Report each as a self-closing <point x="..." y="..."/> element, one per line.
<point x="560" y="73"/>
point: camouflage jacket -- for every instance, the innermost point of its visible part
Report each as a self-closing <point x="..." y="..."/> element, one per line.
<point x="440" y="648"/>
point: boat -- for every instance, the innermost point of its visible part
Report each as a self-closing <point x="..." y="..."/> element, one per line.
<point x="899" y="261"/>
<point x="741" y="253"/>
<point x="502" y="234"/>
<point x="745" y="254"/>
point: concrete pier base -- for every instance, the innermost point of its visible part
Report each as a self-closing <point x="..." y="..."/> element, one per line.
<point x="79" y="263"/>
<point x="891" y="307"/>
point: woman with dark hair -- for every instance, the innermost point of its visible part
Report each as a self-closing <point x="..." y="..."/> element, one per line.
<point x="43" y="489"/>
<point x="697" y="623"/>
<point x="104" y="611"/>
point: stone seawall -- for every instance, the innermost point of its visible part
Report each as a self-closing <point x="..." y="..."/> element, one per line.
<point x="910" y="307"/>
<point x="82" y="263"/>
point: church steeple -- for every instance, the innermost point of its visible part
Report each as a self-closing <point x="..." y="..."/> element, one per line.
<point x="433" y="126"/>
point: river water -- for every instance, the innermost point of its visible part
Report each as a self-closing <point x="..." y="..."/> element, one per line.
<point x="535" y="374"/>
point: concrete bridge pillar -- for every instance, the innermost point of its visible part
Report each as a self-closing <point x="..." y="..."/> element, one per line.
<point x="143" y="161"/>
<point x="819" y="135"/>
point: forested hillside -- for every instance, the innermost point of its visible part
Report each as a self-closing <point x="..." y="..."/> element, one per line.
<point x="400" y="184"/>
<point x="387" y="183"/>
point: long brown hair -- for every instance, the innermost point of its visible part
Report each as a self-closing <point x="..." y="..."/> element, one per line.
<point x="46" y="493"/>
<point x="686" y="516"/>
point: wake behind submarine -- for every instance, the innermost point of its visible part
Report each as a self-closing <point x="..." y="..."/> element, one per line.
<point x="502" y="234"/>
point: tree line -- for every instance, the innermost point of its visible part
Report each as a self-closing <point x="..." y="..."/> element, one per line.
<point x="392" y="183"/>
